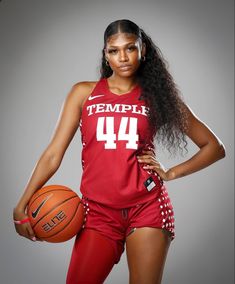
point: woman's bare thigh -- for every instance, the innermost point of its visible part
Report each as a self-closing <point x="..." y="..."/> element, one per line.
<point x="146" y="250"/>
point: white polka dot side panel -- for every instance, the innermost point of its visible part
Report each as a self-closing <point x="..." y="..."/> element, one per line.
<point x="167" y="212"/>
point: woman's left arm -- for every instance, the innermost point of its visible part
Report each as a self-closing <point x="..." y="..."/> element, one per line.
<point x="211" y="150"/>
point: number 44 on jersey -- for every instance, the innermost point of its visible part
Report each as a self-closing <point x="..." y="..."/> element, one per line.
<point x="110" y="137"/>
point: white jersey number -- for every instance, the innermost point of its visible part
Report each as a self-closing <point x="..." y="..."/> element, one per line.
<point x="110" y="137"/>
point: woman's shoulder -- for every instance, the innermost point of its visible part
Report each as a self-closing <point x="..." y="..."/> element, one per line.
<point x="82" y="90"/>
<point x="85" y="86"/>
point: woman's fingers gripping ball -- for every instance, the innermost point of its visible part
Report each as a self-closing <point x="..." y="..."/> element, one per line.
<point x="23" y="226"/>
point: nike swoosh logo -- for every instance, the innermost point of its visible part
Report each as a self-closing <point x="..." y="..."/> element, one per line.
<point x="91" y="98"/>
<point x="35" y="212"/>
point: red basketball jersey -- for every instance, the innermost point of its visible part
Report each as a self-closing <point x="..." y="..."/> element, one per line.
<point x="114" y="130"/>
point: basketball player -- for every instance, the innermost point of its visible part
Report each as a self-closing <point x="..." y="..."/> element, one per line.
<point x="123" y="183"/>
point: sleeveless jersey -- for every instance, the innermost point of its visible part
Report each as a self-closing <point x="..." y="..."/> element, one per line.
<point x="114" y="130"/>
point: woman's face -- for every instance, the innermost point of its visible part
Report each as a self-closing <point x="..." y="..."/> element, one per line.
<point x="123" y="52"/>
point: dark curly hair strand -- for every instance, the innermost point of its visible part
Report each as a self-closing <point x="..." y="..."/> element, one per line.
<point x="167" y="114"/>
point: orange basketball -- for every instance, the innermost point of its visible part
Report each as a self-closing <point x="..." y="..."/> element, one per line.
<point x="56" y="213"/>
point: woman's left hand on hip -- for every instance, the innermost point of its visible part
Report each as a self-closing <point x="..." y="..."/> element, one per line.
<point x="150" y="162"/>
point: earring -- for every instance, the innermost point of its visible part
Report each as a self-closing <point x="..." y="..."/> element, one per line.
<point x="107" y="63"/>
<point x="143" y="58"/>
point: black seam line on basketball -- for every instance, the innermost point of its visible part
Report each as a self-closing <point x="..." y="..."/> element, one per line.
<point x="53" y="209"/>
<point x="65" y="224"/>
<point x="47" y="192"/>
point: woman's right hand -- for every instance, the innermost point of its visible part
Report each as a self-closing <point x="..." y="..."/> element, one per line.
<point x="24" y="230"/>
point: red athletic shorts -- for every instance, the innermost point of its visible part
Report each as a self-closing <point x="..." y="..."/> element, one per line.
<point x="117" y="224"/>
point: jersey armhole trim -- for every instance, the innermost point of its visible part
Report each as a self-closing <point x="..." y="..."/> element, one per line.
<point x="93" y="90"/>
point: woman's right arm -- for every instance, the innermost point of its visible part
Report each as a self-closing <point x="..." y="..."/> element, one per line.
<point x="52" y="156"/>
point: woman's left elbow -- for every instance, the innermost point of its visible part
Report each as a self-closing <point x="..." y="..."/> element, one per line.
<point x="221" y="151"/>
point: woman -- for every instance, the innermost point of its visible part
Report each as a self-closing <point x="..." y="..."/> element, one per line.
<point x="123" y="184"/>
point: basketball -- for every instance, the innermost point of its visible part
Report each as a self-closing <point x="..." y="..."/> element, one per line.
<point x="56" y="213"/>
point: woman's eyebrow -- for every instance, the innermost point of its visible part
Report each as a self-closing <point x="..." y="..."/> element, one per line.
<point x="114" y="46"/>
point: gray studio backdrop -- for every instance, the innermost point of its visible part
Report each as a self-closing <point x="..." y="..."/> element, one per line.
<point x="46" y="47"/>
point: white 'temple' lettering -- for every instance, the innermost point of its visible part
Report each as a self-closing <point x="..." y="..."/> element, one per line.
<point x="123" y="108"/>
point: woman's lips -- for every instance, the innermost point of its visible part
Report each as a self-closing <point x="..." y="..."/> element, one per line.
<point x="124" y="68"/>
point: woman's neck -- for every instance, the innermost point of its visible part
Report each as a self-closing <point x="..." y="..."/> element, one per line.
<point x="122" y="84"/>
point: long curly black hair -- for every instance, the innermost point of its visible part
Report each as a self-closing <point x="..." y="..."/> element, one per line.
<point x="167" y="113"/>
